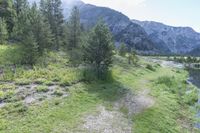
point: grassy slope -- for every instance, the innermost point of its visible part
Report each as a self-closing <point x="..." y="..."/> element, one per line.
<point x="63" y="115"/>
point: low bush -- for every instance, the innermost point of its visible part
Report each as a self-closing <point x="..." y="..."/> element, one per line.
<point x="168" y="81"/>
<point x="150" y="67"/>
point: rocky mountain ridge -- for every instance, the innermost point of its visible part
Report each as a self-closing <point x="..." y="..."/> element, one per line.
<point x="180" y="40"/>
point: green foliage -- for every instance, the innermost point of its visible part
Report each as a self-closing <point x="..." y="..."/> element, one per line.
<point x="41" y="30"/>
<point x="132" y="57"/>
<point x="52" y="11"/>
<point x="20" y="5"/>
<point x="42" y="88"/>
<point x="122" y="50"/>
<point x="23" y="81"/>
<point x="10" y="54"/>
<point x="75" y="56"/>
<point x="150" y="67"/>
<point x="74" y="38"/>
<point x="191" y="97"/>
<point x="188" y="59"/>
<point x="6" y="94"/>
<point x="7" y="13"/>
<point x="74" y="29"/>
<point x="33" y="33"/>
<point x="30" y="47"/>
<point x="166" y="80"/>
<point x="84" y="97"/>
<point x="58" y="93"/>
<point x="3" y="31"/>
<point x="99" y="51"/>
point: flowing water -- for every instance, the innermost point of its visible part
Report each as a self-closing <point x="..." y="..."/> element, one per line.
<point x="195" y="77"/>
<point x="195" y="80"/>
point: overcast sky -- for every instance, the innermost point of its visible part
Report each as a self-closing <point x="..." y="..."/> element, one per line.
<point x="171" y="12"/>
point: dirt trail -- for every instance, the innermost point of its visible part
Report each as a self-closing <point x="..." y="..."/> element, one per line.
<point x="106" y="121"/>
<point x="136" y="103"/>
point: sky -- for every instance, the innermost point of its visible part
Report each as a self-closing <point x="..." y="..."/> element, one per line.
<point x="170" y="12"/>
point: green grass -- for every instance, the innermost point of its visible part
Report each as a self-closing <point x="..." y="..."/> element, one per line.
<point x="58" y="92"/>
<point x="9" y="54"/>
<point x="167" y="88"/>
<point x="42" y="88"/>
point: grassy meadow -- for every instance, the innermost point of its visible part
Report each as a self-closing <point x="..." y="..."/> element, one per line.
<point x="76" y="92"/>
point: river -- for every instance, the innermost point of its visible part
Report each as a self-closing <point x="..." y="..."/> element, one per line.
<point x="195" y="80"/>
<point x="195" y="77"/>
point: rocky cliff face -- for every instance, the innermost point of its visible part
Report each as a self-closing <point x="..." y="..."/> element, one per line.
<point x="179" y="40"/>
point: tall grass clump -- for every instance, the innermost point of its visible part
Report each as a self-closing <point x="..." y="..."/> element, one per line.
<point x="166" y="80"/>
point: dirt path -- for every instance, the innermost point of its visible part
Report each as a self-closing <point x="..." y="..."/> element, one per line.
<point x="107" y="121"/>
<point x="136" y="103"/>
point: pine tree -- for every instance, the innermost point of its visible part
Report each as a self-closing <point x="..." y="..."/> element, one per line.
<point x="40" y="29"/>
<point x="52" y="11"/>
<point x="20" y="5"/>
<point x="3" y="31"/>
<point x="122" y="50"/>
<point x="74" y="28"/>
<point x="99" y="50"/>
<point x="30" y="48"/>
<point x="7" y="13"/>
<point x="73" y="37"/>
<point x="23" y="33"/>
<point x="132" y="57"/>
<point x="33" y="33"/>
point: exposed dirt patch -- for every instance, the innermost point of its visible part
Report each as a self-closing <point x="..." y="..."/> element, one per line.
<point x="106" y="121"/>
<point x="28" y="94"/>
<point x="135" y="103"/>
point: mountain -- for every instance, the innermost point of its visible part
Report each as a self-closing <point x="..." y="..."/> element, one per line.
<point x="122" y="28"/>
<point x="146" y="37"/>
<point x="195" y="52"/>
<point x="179" y="40"/>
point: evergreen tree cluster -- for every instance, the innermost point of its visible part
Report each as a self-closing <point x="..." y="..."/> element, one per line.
<point x="39" y="28"/>
<point x="188" y="59"/>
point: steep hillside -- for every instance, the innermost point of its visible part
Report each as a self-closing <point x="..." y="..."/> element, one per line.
<point x="179" y="40"/>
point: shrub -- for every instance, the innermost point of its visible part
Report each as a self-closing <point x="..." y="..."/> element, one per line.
<point x="58" y="93"/>
<point x="40" y="81"/>
<point x="168" y="81"/>
<point x="23" y="82"/>
<point x="191" y="97"/>
<point x="150" y="67"/>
